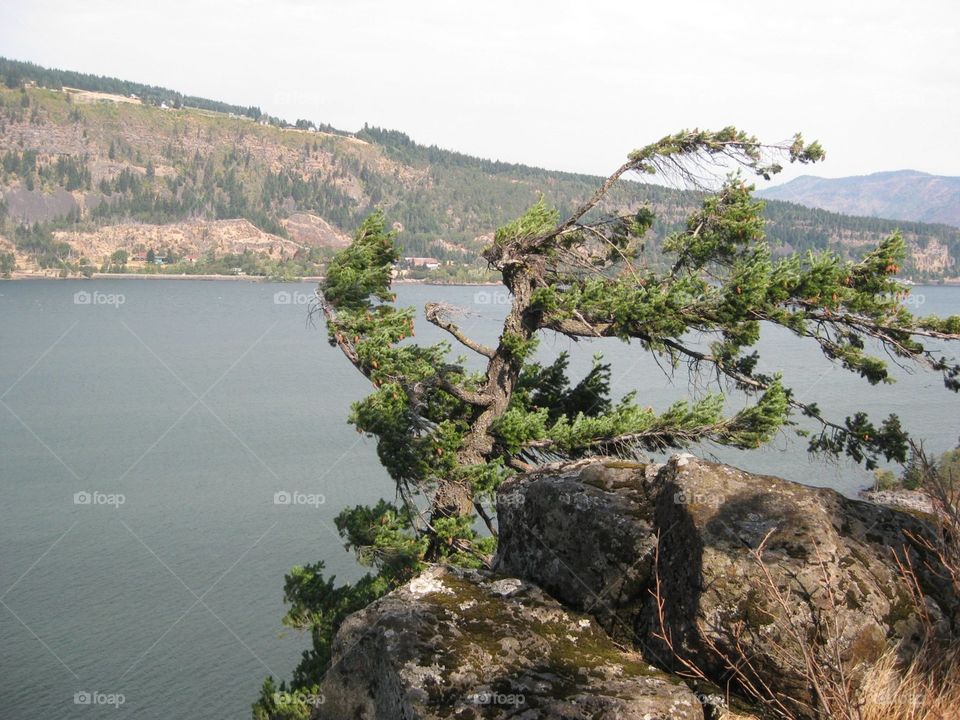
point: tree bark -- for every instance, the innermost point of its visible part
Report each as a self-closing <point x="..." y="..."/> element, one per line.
<point x="454" y="498"/>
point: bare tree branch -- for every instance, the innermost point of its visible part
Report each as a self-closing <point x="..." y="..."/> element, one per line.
<point x="435" y="313"/>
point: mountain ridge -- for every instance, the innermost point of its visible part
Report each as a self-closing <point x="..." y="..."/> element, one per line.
<point x="77" y="163"/>
<point x="909" y="195"/>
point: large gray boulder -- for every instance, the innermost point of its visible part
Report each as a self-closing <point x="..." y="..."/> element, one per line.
<point x="470" y="644"/>
<point x="600" y="538"/>
<point x="585" y="535"/>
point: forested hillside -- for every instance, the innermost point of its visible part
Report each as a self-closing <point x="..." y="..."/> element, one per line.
<point x="97" y="172"/>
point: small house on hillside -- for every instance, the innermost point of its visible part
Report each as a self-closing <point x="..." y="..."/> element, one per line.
<point x="425" y="262"/>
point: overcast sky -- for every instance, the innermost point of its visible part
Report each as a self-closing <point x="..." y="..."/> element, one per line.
<point x="563" y="85"/>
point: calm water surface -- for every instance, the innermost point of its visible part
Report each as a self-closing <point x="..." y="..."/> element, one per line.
<point x="198" y="402"/>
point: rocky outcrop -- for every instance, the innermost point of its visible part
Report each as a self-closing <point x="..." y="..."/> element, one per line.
<point x="900" y="498"/>
<point x="610" y="576"/>
<point x="470" y="644"/>
<point x="185" y="238"/>
<point x="608" y="539"/>
<point x="29" y="206"/>
<point x="313" y="231"/>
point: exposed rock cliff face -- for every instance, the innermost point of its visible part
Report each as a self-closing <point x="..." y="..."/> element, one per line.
<point x="220" y="236"/>
<point x="601" y="539"/>
<point x="314" y="231"/>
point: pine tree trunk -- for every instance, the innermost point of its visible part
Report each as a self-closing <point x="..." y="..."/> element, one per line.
<point x="453" y="498"/>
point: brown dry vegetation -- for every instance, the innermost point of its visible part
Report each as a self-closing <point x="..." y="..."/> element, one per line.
<point x="927" y="689"/>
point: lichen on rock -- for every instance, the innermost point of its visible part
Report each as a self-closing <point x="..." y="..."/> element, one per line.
<point x="599" y="564"/>
<point x="478" y="645"/>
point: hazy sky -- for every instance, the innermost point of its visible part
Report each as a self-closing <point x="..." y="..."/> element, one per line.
<point x="564" y="85"/>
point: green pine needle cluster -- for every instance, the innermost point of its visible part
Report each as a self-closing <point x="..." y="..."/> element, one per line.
<point x="538" y="219"/>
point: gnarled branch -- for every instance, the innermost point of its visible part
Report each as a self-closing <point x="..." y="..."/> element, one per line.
<point x="435" y="314"/>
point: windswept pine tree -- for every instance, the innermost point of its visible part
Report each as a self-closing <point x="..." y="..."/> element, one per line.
<point x="449" y="436"/>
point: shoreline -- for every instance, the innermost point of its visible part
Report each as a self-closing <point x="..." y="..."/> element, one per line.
<point x="948" y="282"/>
<point x="234" y="278"/>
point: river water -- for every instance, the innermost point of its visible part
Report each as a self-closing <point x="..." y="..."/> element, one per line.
<point x="147" y="428"/>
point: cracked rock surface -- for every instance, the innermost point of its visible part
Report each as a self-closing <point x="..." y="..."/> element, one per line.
<point x="591" y="537"/>
<point x="471" y="644"/>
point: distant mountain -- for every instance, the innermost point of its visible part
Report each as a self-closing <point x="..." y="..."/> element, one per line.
<point x="92" y="167"/>
<point x="897" y="195"/>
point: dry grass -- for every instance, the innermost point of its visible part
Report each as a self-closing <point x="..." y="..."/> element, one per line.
<point x="944" y="495"/>
<point x="928" y="689"/>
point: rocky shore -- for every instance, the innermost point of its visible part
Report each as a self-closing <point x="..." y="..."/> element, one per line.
<point x="645" y="593"/>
